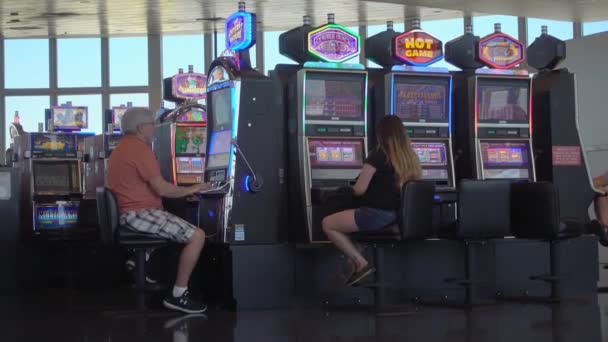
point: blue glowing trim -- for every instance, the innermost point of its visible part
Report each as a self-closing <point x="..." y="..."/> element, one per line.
<point x="247" y="39"/>
<point x="392" y="112"/>
<point x="450" y="107"/>
<point x="409" y="68"/>
<point x="328" y="65"/>
<point x="233" y="95"/>
<point x="247" y="183"/>
<point x="436" y="197"/>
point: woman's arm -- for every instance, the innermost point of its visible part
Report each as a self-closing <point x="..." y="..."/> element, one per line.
<point x="367" y="172"/>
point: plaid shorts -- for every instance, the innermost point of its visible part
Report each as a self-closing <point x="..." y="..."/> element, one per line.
<point x="158" y="222"/>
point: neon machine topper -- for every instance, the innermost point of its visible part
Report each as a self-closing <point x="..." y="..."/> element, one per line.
<point x="244" y="153"/>
<point x="494" y="130"/>
<point x="327" y="114"/>
<point x="181" y="134"/>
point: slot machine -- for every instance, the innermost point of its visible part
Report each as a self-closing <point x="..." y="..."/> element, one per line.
<point x="181" y="134"/>
<point x="245" y="164"/>
<point x="493" y="110"/>
<point x="52" y="172"/>
<point x="326" y="102"/>
<point x="421" y="97"/>
<point x="97" y="150"/>
<point x="560" y="158"/>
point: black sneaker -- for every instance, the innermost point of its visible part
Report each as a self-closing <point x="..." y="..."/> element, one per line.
<point x="184" y="304"/>
<point x="360" y="275"/>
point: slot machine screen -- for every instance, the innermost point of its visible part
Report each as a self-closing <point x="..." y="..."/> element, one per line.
<point x="335" y="154"/>
<point x="56" y="177"/>
<point x="503" y="101"/>
<point x="505" y="160"/>
<point x="190" y="139"/>
<point x="433" y="159"/>
<point x="220" y="106"/>
<point x="117" y="114"/>
<point x="417" y="99"/>
<point x="219" y="149"/>
<point x="335" y="96"/>
<point x="70" y="118"/>
<point x="53" y="145"/>
<point x="186" y="165"/>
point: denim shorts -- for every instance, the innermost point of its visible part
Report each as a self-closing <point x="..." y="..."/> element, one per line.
<point x="372" y="219"/>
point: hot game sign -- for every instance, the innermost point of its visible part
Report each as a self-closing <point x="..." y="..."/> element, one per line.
<point x="418" y="48"/>
<point x="500" y="51"/>
<point x="333" y="43"/>
<point x="190" y="86"/>
<point x="240" y="31"/>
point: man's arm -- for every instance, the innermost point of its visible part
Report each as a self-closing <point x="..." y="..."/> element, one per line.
<point x="168" y="190"/>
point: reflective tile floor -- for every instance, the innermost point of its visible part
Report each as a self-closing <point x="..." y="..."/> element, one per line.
<point x="92" y="317"/>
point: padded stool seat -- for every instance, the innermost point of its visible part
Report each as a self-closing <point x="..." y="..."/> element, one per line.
<point x="390" y="234"/>
<point x="126" y="236"/>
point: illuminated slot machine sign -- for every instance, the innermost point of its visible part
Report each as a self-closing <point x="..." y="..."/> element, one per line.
<point x="418" y="48"/>
<point x="333" y="43"/>
<point x="53" y="145"/>
<point x="56" y="216"/>
<point x="505" y="160"/>
<point x="189" y="86"/>
<point x="69" y="118"/>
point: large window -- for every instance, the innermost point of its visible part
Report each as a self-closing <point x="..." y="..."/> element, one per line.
<point x="271" y="51"/>
<point x="138" y="100"/>
<point x="31" y="112"/>
<point x="563" y="30"/>
<point x="95" y="111"/>
<point x="595" y="27"/>
<point x="373" y="30"/>
<point x="79" y="62"/>
<point x="181" y="51"/>
<point x="444" y="30"/>
<point x="26" y="63"/>
<point x="484" y="25"/>
<point x="221" y="46"/>
<point x="128" y="61"/>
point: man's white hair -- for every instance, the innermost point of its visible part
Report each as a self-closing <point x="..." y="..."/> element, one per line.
<point x="133" y="117"/>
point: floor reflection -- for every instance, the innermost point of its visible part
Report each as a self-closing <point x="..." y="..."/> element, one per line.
<point x="93" y="317"/>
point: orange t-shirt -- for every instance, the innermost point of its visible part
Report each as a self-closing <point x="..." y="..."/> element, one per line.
<point x="131" y="167"/>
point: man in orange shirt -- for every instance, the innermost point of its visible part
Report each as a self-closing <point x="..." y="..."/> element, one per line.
<point x="601" y="207"/>
<point x="134" y="178"/>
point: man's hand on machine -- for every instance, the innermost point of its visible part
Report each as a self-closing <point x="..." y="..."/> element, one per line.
<point x="196" y="188"/>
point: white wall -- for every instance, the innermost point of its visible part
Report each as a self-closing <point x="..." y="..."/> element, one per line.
<point x="587" y="57"/>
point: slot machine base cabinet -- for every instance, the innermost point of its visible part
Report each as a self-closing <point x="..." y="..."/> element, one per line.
<point x="9" y="234"/>
<point x="243" y="277"/>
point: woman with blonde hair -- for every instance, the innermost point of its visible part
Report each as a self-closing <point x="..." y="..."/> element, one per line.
<point x="387" y="168"/>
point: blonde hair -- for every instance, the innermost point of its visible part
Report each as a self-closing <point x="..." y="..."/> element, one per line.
<point x="396" y="145"/>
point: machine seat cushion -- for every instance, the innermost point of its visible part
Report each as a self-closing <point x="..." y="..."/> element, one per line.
<point x="131" y="238"/>
<point x="390" y="234"/>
